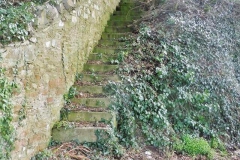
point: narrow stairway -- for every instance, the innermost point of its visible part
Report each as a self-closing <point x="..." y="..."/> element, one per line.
<point x="89" y="106"/>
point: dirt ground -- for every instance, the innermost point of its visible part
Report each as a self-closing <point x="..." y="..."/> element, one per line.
<point x="71" y="151"/>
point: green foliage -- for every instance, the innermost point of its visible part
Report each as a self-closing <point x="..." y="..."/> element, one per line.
<point x="71" y="94"/>
<point x="46" y="154"/>
<point x="15" y="18"/>
<point x="64" y="113"/>
<point x="107" y="144"/>
<point x="206" y="43"/>
<point x="156" y="97"/>
<point x="63" y="124"/>
<point x="14" y="21"/>
<point x="181" y="78"/>
<point x="78" y="77"/>
<point x="6" y="128"/>
<point x="120" y="58"/>
<point x="217" y="144"/>
<point x="194" y="146"/>
<point x="53" y="143"/>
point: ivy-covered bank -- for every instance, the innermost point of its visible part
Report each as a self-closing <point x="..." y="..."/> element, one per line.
<point x="181" y="80"/>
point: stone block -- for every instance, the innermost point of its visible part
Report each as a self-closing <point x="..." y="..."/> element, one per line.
<point x="69" y="4"/>
<point x="88" y="116"/>
<point x="90" y="89"/>
<point x="60" y="7"/>
<point x="86" y="134"/>
<point x="99" y="78"/>
<point x="93" y="102"/>
<point x="51" y="12"/>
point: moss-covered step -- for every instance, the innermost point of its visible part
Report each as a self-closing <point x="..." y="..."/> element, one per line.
<point x="124" y="7"/>
<point x="118" y="23"/>
<point x="93" y="102"/>
<point x="81" y="134"/>
<point x="101" y="50"/>
<point x="116" y="48"/>
<point x="89" y="116"/>
<point x="99" y="68"/>
<point x="115" y="35"/>
<point x="115" y="29"/>
<point x="102" y="57"/>
<point x="99" y="78"/>
<point x="129" y="2"/>
<point x="108" y="50"/>
<point x="110" y="42"/>
<point x="129" y="13"/>
<point x="125" y="17"/>
<point x="90" y="89"/>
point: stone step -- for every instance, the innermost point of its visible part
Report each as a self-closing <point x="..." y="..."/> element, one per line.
<point x="101" y="50"/>
<point x="80" y="134"/>
<point x="93" y="102"/>
<point x="102" y="57"/>
<point x="86" y="123"/>
<point x="116" y="48"/>
<point x="89" y="89"/>
<point x="125" y="17"/>
<point x="115" y="29"/>
<point x="99" y="68"/>
<point x="124" y="7"/>
<point x="111" y="51"/>
<point x="99" y="78"/>
<point x="134" y="12"/>
<point x="118" y="23"/>
<point x="89" y="116"/>
<point x="109" y="42"/>
<point x="115" y="35"/>
<point x="127" y="2"/>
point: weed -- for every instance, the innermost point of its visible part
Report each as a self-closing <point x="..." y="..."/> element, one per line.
<point x="71" y="94"/>
<point x="63" y="124"/>
<point x="78" y="77"/>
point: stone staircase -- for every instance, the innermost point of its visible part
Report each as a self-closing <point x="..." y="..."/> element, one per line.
<point x="87" y="110"/>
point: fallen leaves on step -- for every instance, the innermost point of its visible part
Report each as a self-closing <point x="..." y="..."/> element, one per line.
<point x="72" y="151"/>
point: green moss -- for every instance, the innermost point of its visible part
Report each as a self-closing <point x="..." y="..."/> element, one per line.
<point x="193" y="146"/>
<point x="217" y="144"/>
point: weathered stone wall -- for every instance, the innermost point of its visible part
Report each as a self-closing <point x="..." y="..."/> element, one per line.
<point x="44" y="67"/>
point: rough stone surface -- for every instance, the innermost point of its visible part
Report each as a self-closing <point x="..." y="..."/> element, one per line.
<point x="76" y="116"/>
<point x="81" y="134"/>
<point x="44" y="67"/>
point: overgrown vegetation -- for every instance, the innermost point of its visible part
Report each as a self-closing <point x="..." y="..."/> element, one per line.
<point x="17" y="19"/>
<point x="182" y="77"/>
<point x="180" y="88"/>
<point x="107" y="145"/>
<point x="14" y="21"/>
<point x="6" y="128"/>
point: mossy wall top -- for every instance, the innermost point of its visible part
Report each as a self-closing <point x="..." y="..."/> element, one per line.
<point x="44" y="67"/>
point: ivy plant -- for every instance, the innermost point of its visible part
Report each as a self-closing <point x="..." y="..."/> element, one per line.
<point x="7" y="137"/>
<point x="181" y="78"/>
